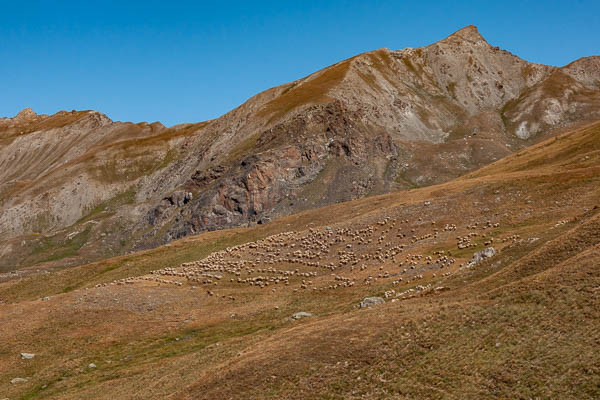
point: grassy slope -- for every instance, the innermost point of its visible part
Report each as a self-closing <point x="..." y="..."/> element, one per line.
<point x="519" y="326"/>
<point x="313" y="89"/>
<point x="119" y="161"/>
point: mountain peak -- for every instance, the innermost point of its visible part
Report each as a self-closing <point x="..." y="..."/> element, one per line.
<point x="469" y="33"/>
<point x="26" y="113"/>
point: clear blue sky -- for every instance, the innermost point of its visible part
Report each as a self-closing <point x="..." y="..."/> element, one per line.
<point x="190" y="61"/>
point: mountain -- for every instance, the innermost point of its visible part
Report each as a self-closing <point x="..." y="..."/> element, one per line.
<point x="76" y="186"/>
<point x="490" y="283"/>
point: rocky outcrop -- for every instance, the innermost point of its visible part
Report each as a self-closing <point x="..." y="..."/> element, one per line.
<point x="585" y="71"/>
<point x="481" y="255"/>
<point x="368" y="302"/>
<point x="253" y="189"/>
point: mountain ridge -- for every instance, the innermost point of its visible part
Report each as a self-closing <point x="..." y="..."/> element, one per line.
<point x="381" y="121"/>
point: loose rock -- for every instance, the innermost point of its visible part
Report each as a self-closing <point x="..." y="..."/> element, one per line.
<point x="479" y="256"/>
<point x="301" y="314"/>
<point x="371" y="301"/>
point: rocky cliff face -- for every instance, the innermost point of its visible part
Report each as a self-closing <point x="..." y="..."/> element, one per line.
<point x="76" y="185"/>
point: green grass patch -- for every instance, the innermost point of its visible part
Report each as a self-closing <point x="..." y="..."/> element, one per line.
<point x="403" y="179"/>
<point x="56" y="248"/>
<point x="127" y="197"/>
<point x="243" y="148"/>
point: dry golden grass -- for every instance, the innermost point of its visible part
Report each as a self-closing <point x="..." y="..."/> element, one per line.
<point x="310" y="90"/>
<point x="523" y="324"/>
<point x="122" y="157"/>
<point x="55" y="121"/>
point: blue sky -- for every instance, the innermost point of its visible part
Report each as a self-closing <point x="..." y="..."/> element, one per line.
<point x="190" y="61"/>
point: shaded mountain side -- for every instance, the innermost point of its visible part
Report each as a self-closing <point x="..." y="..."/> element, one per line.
<point x="77" y="186"/>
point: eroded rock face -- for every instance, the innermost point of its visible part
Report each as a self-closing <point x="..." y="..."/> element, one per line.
<point x="556" y="101"/>
<point x="254" y="189"/>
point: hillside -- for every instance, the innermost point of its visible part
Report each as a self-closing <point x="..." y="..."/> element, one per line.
<point x="76" y="187"/>
<point x="209" y="316"/>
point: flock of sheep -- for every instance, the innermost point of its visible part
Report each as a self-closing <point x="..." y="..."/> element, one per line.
<point x="330" y="258"/>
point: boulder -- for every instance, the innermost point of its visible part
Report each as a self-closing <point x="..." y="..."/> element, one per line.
<point x="481" y="255"/>
<point x="301" y="314"/>
<point x="371" y="301"/>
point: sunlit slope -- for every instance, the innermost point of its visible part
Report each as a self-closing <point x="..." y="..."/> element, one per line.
<point x="76" y="187"/>
<point x="517" y="325"/>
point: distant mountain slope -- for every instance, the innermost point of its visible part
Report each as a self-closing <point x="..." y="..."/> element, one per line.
<point x="77" y="186"/>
